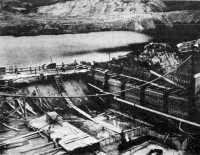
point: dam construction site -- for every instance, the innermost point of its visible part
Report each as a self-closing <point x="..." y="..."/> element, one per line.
<point x="99" y="77"/>
<point x="143" y="103"/>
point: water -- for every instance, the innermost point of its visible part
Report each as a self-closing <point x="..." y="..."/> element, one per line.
<point x="32" y="50"/>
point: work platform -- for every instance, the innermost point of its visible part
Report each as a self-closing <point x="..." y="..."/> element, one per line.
<point x="26" y="75"/>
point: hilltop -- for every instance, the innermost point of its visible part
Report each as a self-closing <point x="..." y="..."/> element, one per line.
<point x="158" y="18"/>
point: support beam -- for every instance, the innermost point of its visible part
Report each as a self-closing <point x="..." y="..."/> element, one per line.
<point x="25" y="114"/>
<point x="9" y="127"/>
<point x="140" y="80"/>
<point x="97" y="88"/>
<point x="158" y="113"/>
<point x="167" y="80"/>
<point x="14" y="108"/>
<point x="106" y="78"/>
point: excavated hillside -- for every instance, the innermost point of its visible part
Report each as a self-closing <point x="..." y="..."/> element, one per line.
<point x="153" y="17"/>
<point x="88" y="8"/>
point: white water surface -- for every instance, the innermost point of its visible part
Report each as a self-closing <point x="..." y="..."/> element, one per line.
<point x="34" y="50"/>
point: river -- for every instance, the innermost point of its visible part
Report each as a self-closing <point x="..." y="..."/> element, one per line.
<point x="35" y="50"/>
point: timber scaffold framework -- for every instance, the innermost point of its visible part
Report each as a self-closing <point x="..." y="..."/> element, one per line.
<point x="116" y="98"/>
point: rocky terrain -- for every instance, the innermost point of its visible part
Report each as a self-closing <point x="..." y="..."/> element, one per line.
<point x="160" y="19"/>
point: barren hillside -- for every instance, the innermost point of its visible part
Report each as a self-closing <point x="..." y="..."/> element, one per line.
<point x="154" y="17"/>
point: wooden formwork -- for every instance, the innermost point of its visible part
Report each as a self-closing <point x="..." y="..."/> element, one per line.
<point x="159" y="99"/>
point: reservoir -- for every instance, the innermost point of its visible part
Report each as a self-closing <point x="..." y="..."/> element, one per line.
<point x="36" y="50"/>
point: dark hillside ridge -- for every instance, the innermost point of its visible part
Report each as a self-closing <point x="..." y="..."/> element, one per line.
<point x="181" y="5"/>
<point x="179" y="32"/>
<point x="34" y="3"/>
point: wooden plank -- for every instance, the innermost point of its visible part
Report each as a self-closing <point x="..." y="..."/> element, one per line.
<point x="10" y="127"/>
<point x="11" y="140"/>
<point x="78" y="109"/>
<point x="76" y="139"/>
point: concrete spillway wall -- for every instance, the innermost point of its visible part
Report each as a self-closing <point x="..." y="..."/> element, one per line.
<point x="153" y="98"/>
